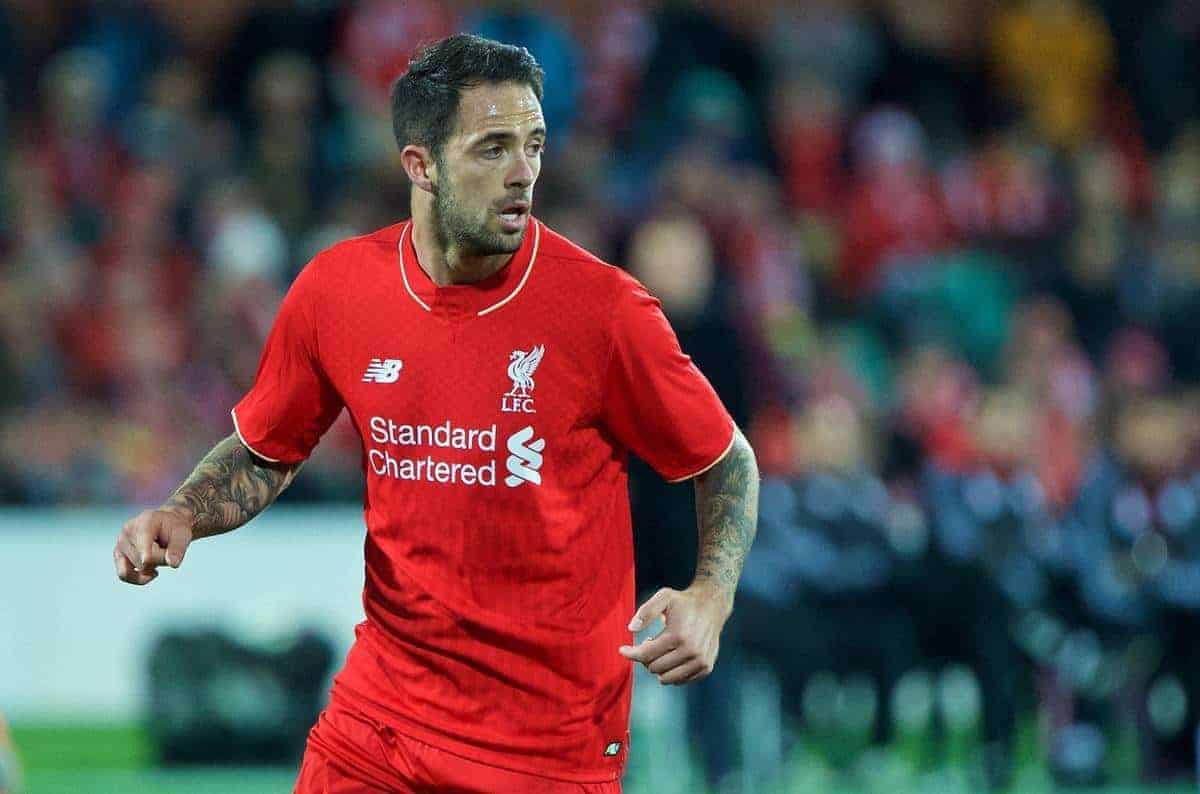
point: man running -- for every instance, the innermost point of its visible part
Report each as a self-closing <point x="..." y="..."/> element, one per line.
<point x="498" y="375"/>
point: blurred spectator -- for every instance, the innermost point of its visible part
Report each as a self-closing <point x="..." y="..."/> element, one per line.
<point x="379" y="37"/>
<point x="76" y="145"/>
<point x="1045" y="360"/>
<point x="1002" y="192"/>
<point x="672" y="254"/>
<point x="530" y="25"/>
<point x="1164" y="50"/>
<point x="284" y="155"/>
<point x="128" y="40"/>
<point x="937" y="402"/>
<point x="171" y="125"/>
<point x="831" y="40"/>
<point x="701" y="72"/>
<point x="808" y="127"/>
<point x="824" y="566"/>
<point x="1056" y="58"/>
<point x="307" y="29"/>
<point x="996" y="546"/>
<point x="934" y="66"/>
<point x="617" y="41"/>
<point x="895" y="217"/>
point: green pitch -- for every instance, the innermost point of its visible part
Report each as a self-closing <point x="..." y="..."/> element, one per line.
<point x="106" y="759"/>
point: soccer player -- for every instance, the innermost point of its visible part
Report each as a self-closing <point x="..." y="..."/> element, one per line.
<point x="498" y="376"/>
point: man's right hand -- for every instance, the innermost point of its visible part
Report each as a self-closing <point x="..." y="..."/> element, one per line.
<point x="153" y="538"/>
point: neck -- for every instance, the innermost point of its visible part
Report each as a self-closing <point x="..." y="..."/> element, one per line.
<point x="446" y="263"/>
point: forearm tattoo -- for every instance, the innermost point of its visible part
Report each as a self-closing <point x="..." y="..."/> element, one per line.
<point x="229" y="487"/>
<point x="727" y="512"/>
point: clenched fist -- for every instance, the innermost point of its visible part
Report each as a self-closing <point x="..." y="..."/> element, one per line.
<point x="153" y="538"/>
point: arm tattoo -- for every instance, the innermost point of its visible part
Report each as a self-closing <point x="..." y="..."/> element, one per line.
<point x="229" y="487"/>
<point x="727" y="513"/>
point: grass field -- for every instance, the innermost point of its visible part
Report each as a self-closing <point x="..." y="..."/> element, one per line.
<point x="104" y="759"/>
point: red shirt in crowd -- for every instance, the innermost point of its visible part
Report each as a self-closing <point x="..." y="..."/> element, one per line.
<point x="496" y="418"/>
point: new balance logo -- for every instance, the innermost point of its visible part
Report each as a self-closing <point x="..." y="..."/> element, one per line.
<point x="383" y="370"/>
<point x="524" y="459"/>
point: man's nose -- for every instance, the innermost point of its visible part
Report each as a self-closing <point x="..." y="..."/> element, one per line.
<point x="521" y="174"/>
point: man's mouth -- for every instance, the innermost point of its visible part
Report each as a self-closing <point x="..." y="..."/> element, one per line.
<point x="513" y="211"/>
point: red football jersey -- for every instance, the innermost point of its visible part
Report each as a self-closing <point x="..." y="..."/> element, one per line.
<point x="495" y="420"/>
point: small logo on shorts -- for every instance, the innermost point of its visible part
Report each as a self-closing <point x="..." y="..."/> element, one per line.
<point x="613" y="748"/>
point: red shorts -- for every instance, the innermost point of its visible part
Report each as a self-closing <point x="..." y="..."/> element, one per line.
<point x="347" y="753"/>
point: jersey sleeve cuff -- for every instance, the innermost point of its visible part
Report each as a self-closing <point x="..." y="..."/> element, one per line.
<point x="246" y="444"/>
<point x="715" y="461"/>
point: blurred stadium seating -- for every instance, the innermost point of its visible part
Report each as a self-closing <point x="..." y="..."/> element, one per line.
<point x="940" y="258"/>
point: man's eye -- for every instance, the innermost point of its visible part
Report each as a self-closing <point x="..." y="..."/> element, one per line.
<point x="537" y="148"/>
<point x="493" y="152"/>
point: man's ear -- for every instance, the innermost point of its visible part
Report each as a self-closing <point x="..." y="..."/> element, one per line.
<point x="420" y="166"/>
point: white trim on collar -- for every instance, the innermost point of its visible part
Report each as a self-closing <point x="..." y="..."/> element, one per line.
<point x="537" y="238"/>
<point x="404" y="269"/>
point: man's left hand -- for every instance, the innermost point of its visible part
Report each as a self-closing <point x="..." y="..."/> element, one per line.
<point x="686" y="649"/>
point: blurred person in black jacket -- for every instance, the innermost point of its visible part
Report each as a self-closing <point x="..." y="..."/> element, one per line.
<point x="820" y="591"/>
<point x="1138" y="580"/>
<point x="672" y="254"/>
<point x="990" y="523"/>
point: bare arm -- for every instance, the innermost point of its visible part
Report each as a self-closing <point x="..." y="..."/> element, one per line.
<point x="230" y="486"/>
<point x="727" y="516"/>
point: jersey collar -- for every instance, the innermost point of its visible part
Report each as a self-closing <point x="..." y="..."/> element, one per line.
<point x="478" y="299"/>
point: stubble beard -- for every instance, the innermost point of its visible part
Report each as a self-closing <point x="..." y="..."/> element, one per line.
<point x="455" y="228"/>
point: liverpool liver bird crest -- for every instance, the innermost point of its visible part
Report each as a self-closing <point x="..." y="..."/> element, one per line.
<point x="521" y="368"/>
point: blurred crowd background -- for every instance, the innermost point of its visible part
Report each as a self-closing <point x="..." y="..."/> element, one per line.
<point x="941" y="258"/>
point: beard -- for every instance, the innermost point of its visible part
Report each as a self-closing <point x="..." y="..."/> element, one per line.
<point x="458" y="227"/>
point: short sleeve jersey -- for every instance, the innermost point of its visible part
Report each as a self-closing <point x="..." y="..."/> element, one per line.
<point x="496" y="418"/>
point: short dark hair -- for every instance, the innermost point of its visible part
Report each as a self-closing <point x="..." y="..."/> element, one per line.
<point x="425" y="98"/>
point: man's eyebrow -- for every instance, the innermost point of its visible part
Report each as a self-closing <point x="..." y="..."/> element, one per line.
<point x="498" y="136"/>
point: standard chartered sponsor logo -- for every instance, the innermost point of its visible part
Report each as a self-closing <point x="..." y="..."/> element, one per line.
<point x="525" y="458"/>
<point x="388" y="456"/>
<point x="447" y="434"/>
